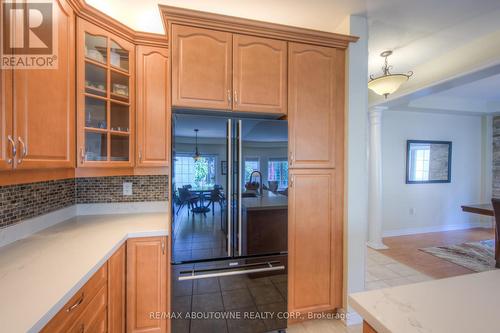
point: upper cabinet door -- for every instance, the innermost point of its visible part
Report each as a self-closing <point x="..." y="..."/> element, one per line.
<point x="315" y="105"/>
<point x="153" y="114"/>
<point x="259" y="74"/>
<point x="6" y="135"/>
<point x="106" y="98"/>
<point x="201" y="68"/>
<point x="44" y="102"/>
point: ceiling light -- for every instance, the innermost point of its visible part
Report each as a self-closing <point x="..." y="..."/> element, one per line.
<point x="388" y="83"/>
<point x="197" y="154"/>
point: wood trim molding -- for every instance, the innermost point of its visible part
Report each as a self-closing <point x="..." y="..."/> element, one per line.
<point x="108" y="23"/>
<point x="175" y="15"/>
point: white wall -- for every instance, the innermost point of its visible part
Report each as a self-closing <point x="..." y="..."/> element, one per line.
<point x="356" y="163"/>
<point x="436" y="206"/>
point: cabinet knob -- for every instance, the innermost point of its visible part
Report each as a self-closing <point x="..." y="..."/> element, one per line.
<point x="235" y="97"/>
<point x="140" y="155"/>
<point x="291" y="157"/>
<point x="229" y="97"/>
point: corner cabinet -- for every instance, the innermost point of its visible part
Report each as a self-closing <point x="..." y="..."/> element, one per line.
<point x="153" y="107"/>
<point x="223" y="71"/>
<point x="147" y="275"/>
<point x="316" y="105"/>
<point x="315" y="241"/>
<point x="106" y="103"/>
<point x="37" y="121"/>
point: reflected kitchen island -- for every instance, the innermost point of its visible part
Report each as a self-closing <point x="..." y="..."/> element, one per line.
<point x="264" y="222"/>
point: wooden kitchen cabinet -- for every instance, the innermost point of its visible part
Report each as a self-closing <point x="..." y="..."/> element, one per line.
<point x="223" y="71"/>
<point x="147" y="277"/>
<point x="201" y="68"/>
<point x="6" y="146"/>
<point x="153" y="107"/>
<point x="315" y="240"/>
<point x="116" y="313"/>
<point x="37" y="107"/>
<point x="105" y="98"/>
<point x="259" y="74"/>
<point x="315" y="105"/>
<point x="80" y="309"/>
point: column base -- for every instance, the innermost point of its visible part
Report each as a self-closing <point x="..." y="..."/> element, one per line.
<point x="377" y="245"/>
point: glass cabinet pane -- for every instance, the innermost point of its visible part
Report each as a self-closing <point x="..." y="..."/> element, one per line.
<point x="119" y="117"/>
<point x="118" y="56"/>
<point x="96" y="48"/>
<point x="96" y="146"/>
<point x="119" y="147"/>
<point x="119" y="86"/>
<point x="95" y="80"/>
<point x="95" y="113"/>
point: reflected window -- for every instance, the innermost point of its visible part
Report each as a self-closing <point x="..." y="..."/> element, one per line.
<point x="251" y="165"/>
<point x="198" y="173"/>
<point x="277" y="170"/>
<point x="420" y="156"/>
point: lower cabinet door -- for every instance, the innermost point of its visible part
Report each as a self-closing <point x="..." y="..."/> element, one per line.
<point x="314" y="240"/>
<point x="147" y="285"/>
<point x="116" y="291"/>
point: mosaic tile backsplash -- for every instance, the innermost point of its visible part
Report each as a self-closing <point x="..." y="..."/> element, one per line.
<point x="20" y="202"/>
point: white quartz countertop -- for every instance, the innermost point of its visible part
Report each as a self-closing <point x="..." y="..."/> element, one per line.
<point x="39" y="274"/>
<point x="463" y="304"/>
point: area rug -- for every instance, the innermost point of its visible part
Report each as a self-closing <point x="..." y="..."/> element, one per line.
<point x="476" y="256"/>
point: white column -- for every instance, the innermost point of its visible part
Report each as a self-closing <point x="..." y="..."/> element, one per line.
<point x="375" y="181"/>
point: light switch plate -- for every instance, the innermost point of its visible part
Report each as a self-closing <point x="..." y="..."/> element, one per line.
<point x="127" y="188"/>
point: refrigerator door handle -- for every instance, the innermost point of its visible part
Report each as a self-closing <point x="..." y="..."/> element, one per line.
<point x="229" y="201"/>
<point x="269" y="267"/>
<point x="240" y="180"/>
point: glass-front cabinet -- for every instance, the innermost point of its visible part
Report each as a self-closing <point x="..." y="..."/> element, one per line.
<point x="105" y="76"/>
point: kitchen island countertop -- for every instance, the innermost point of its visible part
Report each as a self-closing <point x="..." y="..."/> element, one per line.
<point x="268" y="200"/>
<point x="462" y="304"/>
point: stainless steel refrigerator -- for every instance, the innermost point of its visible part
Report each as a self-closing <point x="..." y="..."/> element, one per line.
<point x="229" y="223"/>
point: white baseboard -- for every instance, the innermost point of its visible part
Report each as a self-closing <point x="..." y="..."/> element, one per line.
<point x="437" y="228"/>
<point x="26" y="228"/>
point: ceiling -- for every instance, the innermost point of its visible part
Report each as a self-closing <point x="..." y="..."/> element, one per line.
<point x="420" y="32"/>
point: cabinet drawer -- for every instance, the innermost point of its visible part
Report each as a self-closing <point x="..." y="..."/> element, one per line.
<point x="93" y="318"/>
<point x="77" y="304"/>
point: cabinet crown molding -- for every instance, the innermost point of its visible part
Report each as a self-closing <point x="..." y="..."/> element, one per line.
<point x="176" y="15"/>
<point x="89" y="13"/>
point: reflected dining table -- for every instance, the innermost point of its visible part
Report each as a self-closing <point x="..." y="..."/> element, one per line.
<point x="487" y="210"/>
<point x="201" y="191"/>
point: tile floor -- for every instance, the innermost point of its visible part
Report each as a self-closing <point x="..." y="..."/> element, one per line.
<point x="383" y="272"/>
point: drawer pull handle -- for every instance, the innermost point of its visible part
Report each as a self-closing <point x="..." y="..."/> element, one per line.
<point x="77" y="303"/>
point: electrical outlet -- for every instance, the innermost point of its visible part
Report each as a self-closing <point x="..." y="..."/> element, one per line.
<point x="127" y="188"/>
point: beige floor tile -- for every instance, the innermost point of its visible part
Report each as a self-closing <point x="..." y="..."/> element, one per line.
<point x="419" y="278"/>
<point x="376" y="285"/>
<point x="398" y="282"/>
<point x="382" y="273"/>
<point x="323" y="326"/>
<point x="369" y="277"/>
<point x="401" y="269"/>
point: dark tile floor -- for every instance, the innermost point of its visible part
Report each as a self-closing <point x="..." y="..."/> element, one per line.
<point x="250" y="297"/>
<point x="198" y="236"/>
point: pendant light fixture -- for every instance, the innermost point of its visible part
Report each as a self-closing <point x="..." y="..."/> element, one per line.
<point x="197" y="154"/>
<point x="387" y="83"/>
